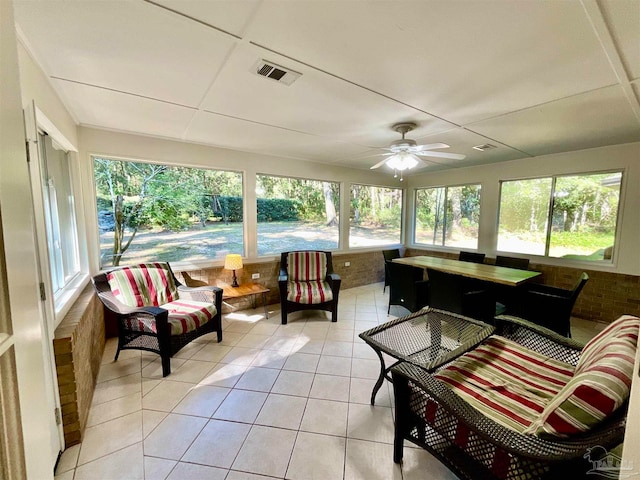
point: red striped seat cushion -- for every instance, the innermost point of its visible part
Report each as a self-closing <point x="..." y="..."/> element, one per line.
<point x="506" y="382"/>
<point x="184" y="317"/>
<point x="310" y="293"/>
<point x="144" y="285"/>
<point x="306" y="266"/>
<point x="600" y="385"/>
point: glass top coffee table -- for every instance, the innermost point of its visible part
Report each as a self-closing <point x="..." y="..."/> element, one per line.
<point x="427" y="338"/>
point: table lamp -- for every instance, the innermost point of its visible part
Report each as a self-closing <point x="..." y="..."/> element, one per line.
<point x="233" y="261"/>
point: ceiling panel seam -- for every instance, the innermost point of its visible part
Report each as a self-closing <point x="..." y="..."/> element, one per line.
<point x="612" y="52"/>
<point x="338" y="77"/>
<point x="498" y="141"/>
<point x="100" y="87"/>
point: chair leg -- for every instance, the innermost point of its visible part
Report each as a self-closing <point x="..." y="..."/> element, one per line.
<point x="284" y="314"/>
<point x="166" y="365"/>
<point x="334" y="313"/>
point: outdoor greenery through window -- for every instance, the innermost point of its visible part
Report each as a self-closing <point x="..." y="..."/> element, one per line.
<point x="149" y="212"/>
<point x="296" y="214"/>
<point x="564" y="217"/>
<point x="375" y="216"/>
<point x="448" y="216"/>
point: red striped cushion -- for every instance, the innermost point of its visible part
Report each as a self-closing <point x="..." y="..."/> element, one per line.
<point x="309" y="292"/>
<point x="184" y="317"/>
<point x="506" y="381"/>
<point x="147" y="284"/>
<point x="601" y="383"/>
<point x="306" y="266"/>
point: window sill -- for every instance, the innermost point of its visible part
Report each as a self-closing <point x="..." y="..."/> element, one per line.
<point x="65" y="299"/>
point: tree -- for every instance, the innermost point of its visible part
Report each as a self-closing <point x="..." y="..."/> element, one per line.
<point x="329" y="207"/>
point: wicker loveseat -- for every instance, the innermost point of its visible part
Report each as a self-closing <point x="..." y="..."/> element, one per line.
<point x="155" y="312"/>
<point x="525" y="404"/>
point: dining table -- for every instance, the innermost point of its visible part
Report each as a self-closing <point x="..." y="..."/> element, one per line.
<point x="512" y="277"/>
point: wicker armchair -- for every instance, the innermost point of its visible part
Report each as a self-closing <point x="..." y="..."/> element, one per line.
<point x="307" y="282"/>
<point x="138" y="295"/>
<point x="474" y="446"/>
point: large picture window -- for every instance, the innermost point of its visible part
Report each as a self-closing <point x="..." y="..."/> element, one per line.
<point x="572" y="216"/>
<point x="448" y="216"/>
<point x="297" y="214"/>
<point x="152" y="212"/>
<point x="375" y="216"/>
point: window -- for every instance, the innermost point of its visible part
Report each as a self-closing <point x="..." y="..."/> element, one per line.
<point x="151" y="212"/>
<point x="563" y="217"/>
<point x="59" y="213"/>
<point x="448" y="216"/>
<point x="375" y="216"/>
<point x="296" y="214"/>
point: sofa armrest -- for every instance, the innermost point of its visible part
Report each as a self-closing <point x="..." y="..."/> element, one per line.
<point x="201" y="294"/>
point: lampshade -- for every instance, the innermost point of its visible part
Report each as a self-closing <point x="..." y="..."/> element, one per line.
<point x="402" y="161"/>
<point x="233" y="261"/>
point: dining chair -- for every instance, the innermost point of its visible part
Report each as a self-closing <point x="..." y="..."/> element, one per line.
<point x="451" y="292"/>
<point x="512" y="262"/>
<point x="473" y="257"/>
<point x="307" y="282"/>
<point x="550" y="306"/>
<point x="389" y="255"/>
<point x="407" y="287"/>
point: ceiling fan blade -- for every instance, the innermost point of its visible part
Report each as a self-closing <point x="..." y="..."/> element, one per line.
<point x="453" y="156"/>
<point x="379" y="164"/>
<point x="430" y="146"/>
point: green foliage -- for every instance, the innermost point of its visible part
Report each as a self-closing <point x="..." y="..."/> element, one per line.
<point x="230" y="209"/>
<point x="278" y="209"/>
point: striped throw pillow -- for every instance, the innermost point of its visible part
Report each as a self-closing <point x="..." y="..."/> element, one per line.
<point x="306" y="266"/>
<point x="600" y="385"/>
<point x="147" y="284"/>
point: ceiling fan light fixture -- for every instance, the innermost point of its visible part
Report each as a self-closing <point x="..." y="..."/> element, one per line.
<point x="402" y="161"/>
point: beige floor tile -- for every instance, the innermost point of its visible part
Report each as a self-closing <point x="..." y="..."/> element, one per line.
<point x="360" y="392"/>
<point x="116" y="388"/>
<point x="114" y="409"/>
<point x="251" y="340"/>
<point x="270" y="359"/>
<point x="150" y="420"/>
<point x="282" y="411"/>
<point x="306" y="464"/>
<point x="337" y="349"/>
<point x="329" y="365"/>
<point x="302" y="362"/>
<point x="110" y="436"/>
<point x="191" y="371"/>
<point x="330" y="387"/>
<point x="325" y="416"/>
<point x="211" y="352"/>
<point x="266" y="451"/>
<point x="229" y="339"/>
<point x="416" y="461"/>
<point x="173" y="436"/>
<point x="289" y="330"/>
<point x="233" y="475"/>
<point x="237" y="327"/>
<point x="149" y="384"/>
<point x="280" y="343"/>
<point x="121" y="368"/>
<point x="305" y="344"/>
<point x="166" y="395"/>
<point x="189" y="471"/>
<point x="217" y="444"/>
<point x="374" y="424"/>
<point x="293" y="383"/>
<point x="264" y="328"/>
<point x="202" y="401"/>
<point x="157" y="468"/>
<point x="189" y="350"/>
<point x="154" y="368"/>
<point x="125" y="464"/>
<point x="362" y="350"/>
<point x="365" y="368"/>
<point x="258" y="379"/>
<point x="240" y="356"/>
<point x="337" y="335"/>
<point x="66" y="475"/>
<point x="68" y="459"/>
<point x="224" y="375"/>
<point x="370" y="461"/>
<point x="241" y="406"/>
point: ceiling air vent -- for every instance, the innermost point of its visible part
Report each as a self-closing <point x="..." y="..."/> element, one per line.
<point x="275" y="72"/>
<point x="485" y="147"/>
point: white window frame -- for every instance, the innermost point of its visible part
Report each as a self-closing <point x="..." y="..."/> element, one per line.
<point x="63" y="299"/>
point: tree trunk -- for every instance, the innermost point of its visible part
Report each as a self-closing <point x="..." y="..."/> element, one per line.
<point x="329" y="206"/>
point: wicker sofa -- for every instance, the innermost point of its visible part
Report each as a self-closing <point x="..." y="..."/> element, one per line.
<point x="526" y="404"/>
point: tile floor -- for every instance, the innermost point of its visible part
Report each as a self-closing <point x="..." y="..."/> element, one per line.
<point x="270" y="401"/>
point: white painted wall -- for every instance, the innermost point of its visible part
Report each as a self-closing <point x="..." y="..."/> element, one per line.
<point x="20" y="249"/>
<point x="625" y="157"/>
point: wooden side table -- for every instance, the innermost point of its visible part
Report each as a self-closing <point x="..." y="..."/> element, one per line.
<point x="244" y="290"/>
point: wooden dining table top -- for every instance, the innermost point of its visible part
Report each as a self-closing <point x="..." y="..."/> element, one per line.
<point x="481" y="271"/>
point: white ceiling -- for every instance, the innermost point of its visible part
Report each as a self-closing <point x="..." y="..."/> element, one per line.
<point x="531" y="77"/>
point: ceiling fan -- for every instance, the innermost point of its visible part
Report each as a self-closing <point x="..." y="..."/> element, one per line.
<point x="405" y="153"/>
